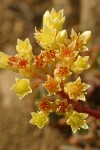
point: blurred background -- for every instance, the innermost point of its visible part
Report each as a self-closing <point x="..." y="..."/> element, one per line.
<point x="18" y="19"/>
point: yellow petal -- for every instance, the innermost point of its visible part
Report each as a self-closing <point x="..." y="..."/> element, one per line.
<point x="73" y="35"/>
<point x="46" y="18"/>
<point x="86" y="36"/>
<point x="61" y="37"/>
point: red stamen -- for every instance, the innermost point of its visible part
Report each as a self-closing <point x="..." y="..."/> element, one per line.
<point x="23" y="63"/>
<point x="66" y="52"/>
<point x="45" y="105"/>
<point x="50" y="54"/>
<point x="62" y="107"/>
<point x="63" y="70"/>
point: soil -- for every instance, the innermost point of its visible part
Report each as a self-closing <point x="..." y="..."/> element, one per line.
<point x="17" y="134"/>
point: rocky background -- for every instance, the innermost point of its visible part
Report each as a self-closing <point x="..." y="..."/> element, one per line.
<point x="18" y="19"/>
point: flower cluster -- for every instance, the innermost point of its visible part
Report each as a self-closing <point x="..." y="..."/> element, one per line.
<point x="59" y="59"/>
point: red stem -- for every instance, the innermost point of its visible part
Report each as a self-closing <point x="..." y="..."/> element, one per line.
<point x="81" y="108"/>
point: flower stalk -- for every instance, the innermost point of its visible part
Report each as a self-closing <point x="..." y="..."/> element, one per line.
<point x="81" y="108"/>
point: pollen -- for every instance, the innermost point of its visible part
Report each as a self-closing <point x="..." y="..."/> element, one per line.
<point x="39" y="62"/>
<point x="50" y="54"/>
<point x="66" y="52"/>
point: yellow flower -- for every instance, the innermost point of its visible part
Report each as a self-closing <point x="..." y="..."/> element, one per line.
<point x="22" y="87"/>
<point x="62" y="73"/>
<point x="61" y="107"/>
<point x="8" y="62"/>
<point x="45" y="105"/>
<point x="39" y="62"/>
<point x="24" y="49"/>
<point x="40" y="119"/>
<point x="19" y="62"/>
<point x="81" y="39"/>
<point x="67" y="54"/>
<point x="53" y="20"/>
<point x="80" y="64"/>
<point x="49" y="56"/>
<point x="46" y="38"/>
<point x="52" y="85"/>
<point x="76" y="120"/>
<point x="76" y="90"/>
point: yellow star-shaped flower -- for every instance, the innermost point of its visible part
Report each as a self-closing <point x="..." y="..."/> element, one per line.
<point x="40" y="119"/>
<point x="81" y="39"/>
<point x="76" y="120"/>
<point x="67" y="54"/>
<point x="22" y="87"/>
<point x="46" y="38"/>
<point x="62" y="73"/>
<point x="76" y="90"/>
<point x="80" y="64"/>
<point x="52" y="85"/>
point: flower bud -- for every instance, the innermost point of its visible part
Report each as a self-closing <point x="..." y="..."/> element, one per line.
<point x="61" y="37"/>
<point x="53" y="20"/>
<point x="24" y="49"/>
<point x="85" y="36"/>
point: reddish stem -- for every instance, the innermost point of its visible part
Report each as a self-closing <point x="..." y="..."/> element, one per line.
<point x="36" y="84"/>
<point x="40" y="77"/>
<point x="81" y="108"/>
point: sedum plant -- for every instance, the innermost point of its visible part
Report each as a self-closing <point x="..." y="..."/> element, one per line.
<point x="59" y="59"/>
